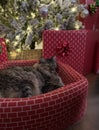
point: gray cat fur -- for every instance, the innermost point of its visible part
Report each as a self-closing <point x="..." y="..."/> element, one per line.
<point x="28" y="81"/>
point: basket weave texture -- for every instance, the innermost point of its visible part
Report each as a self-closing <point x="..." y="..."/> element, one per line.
<point x="25" y="54"/>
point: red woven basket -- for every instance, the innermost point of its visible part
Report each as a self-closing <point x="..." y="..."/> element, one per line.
<point x="55" y="110"/>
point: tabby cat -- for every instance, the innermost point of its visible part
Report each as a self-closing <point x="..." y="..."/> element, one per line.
<point x="27" y="81"/>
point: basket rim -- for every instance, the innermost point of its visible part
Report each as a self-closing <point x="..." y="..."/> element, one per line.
<point x="56" y="92"/>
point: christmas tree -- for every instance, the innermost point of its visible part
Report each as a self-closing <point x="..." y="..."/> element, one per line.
<point x="22" y="22"/>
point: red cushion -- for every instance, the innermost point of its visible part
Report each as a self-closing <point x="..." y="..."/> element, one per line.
<point x="55" y="110"/>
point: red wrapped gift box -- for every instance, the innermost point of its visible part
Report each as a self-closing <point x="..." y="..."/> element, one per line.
<point x="92" y="20"/>
<point x="97" y="59"/>
<point x="86" y="1"/>
<point x="72" y="47"/>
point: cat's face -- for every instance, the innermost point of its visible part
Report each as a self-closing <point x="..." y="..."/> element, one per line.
<point x="48" y="65"/>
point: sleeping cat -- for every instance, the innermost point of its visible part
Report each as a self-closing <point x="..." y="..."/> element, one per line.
<point x="27" y="81"/>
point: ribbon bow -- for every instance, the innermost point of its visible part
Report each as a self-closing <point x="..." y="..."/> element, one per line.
<point x="63" y="50"/>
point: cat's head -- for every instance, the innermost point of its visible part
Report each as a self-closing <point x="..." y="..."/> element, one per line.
<point x="48" y="66"/>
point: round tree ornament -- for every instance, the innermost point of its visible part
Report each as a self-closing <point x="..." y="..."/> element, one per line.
<point x="84" y="13"/>
<point x="43" y="11"/>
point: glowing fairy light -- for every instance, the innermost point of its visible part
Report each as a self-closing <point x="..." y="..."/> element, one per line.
<point x="52" y="2"/>
<point x="17" y="18"/>
<point x="18" y="50"/>
<point x="17" y="37"/>
<point x="33" y="15"/>
<point x="57" y="28"/>
<point x="15" y="43"/>
<point x="74" y="9"/>
<point x="77" y="26"/>
<point x="13" y="55"/>
<point x="29" y="28"/>
<point x="7" y="40"/>
<point x="2" y="10"/>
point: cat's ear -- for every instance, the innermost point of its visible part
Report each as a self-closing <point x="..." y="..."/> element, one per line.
<point x="54" y="61"/>
<point x="42" y="60"/>
<point x="54" y="58"/>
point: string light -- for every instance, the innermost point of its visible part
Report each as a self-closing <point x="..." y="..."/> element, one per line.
<point x="2" y="10"/>
<point x="13" y="55"/>
<point x="7" y="40"/>
<point x="17" y="37"/>
<point x="32" y="22"/>
<point x="17" y="18"/>
<point x="57" y="28"/>
<point x="52" y="2"/>
<point x="77" y="26"/>
<point x="29" y="28"/>
<point x="18" y="50"/>
<point x="15" y="43"/>
<point x="74" y="9"/>
<point x="33" y="15"/>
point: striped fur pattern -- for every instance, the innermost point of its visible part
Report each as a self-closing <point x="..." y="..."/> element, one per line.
<point x="28" y="81"/>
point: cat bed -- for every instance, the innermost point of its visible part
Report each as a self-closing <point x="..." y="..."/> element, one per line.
<point x="55" y="110"/>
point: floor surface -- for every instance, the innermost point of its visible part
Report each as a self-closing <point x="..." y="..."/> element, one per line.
<point x="91" y="118"/>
